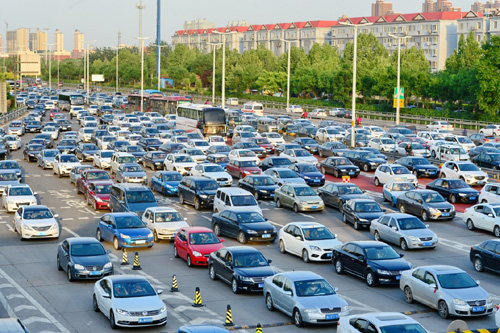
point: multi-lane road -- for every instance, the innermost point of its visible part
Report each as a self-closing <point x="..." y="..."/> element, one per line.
<point x="32" y="288"/>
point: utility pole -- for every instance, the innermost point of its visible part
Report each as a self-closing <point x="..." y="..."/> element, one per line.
<point x="117" y="48"/>
<point x="46" y="44"/>
<point x="6" y="32"/>
<point x="141" y="40"/>
<point x="158" y="40"/>
<point x="140" y="6"/>
<point x="15" y="81"/>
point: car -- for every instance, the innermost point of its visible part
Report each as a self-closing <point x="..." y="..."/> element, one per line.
<point x="46" y="158"/>
<point x="448" y="152"/>
<point x="440" y="125"/>
<point x="64" y="163"/>
<point x="480" y="154"/>
<point x="13" y="142"/>
<point x="15" y="196"/>
<point x="480" y="139"/>
<point x="154" y="160"/>
<point x="129" y="301"/>
<point x="213" y="171"/>
<point x="383" y="144"/>
<point x="15" y="127"/>
<point x="379" y="322"/>
<point x="486" y="256"/>
<point x="83" y="258"/>
<point x="397" y="172"/>
<point x="131" y="173"/>
<point x="274" y="161"/>
<point x="216" y="140"/>
<point x="361" y="212"/>
<point x="365" y="160"/>
<point x="299" y="156"/>
<point x="318" y="113"/>
<point x="465" y="171"/>
<point x="240" y="168"/>
<point x="31" y="152"/>
<point x="462" y="141"/>
<point x="308" y="144"/>
<point x="490" y="130"/>
<point x="218" y="149"/>
<point x="243" y="267"/>
<point x="336" y="194"/>
<point x="243" y="225"/>
<point x="35" y="221"/>
<point x="284" y="176"/>
<point x="148" y="144"/>
<point x="284" y="146"/>
<point x="102" y="159"/>
<point x="308" y="172"/>
<point x="235" y="199"/>
<point x="67" y="146"/>
<point x="311" y="241"/>
<point x="165" y="182"/>
<point x="262" y="143"/>
<point x="490" y="193"/>
<point x="219" y="159"/>
<point x="97" y="194"/>
<point x="419" y="166"/>
<point x="274" y="138"/>
<point x="449" y="290"/>
<point x="124" y="230"/>
<point x="294" y="109"/>
<point x="7" y="177"/>
<point x="244" y="155"/>
<point x="164" y="222"/>
<point x="416" y="149"/>
<point x="393" y="189"/>
<point x="456" y="190"/>
<point x="52" y="130"/>
<point x="194" y="244"/>
<point x="198" y="191"/>
<point x="329" y="148"/>
<point x="88" y="176"/>
<point x="483" y="216"/>
<point x="182" y="163"/>
<point x="262" y="186"/>
<point x="327" y="134"/>
<point x="86" y="151"/>
<point x="375" y="262"/>
<point x="299" y="197"/>
<point x="427" y="204"/>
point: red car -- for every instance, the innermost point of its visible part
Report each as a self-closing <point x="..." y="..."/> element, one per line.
<point x="263" y="143"/>
<point x="98" y="194"/>
<point x="90" y="176"/>
<point x="194" y="244"/>
<point x="242" y="168"/>
<point x="53" y="112"/>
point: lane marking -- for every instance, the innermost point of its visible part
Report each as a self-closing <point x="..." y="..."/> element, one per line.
<point x="310" y="216"/>
<point x="24" y="307"/>
<point x="206" y="217"/>
<point x="71" y="232"/>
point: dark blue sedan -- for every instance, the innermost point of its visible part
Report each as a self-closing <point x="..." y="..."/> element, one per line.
<point x="124" y="230"/>
<point x="309" y="173"/>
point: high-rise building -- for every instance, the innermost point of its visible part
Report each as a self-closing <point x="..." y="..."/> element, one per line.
<point x="488" y="8"/>
<point x="22" y="40"/>
<point x="78" y="45"/>
<point x="198" y="24"/>
<point x="439" y="6"/>
<point x="428" y="6"/>
<point x="42" y="38"/>
<point x="58" y="41"/>
<point x="32" y="41"/>
<point x="380" y="8"/>
<point x="12" y="42"/>
<point x="1" y="44"/>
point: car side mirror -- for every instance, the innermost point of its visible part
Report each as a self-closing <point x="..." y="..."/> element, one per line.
<point x="292" y="195"/>
<point x="299" y="237"/>
<point x="432" y="286"/>
<point x="269" y="261"/>
<point x="478" y="282"/>
<point x="56" y="215"/>
<point x="419" y="201"/>
<point x="384" y="210"/>
<point x="336" y="289"/>
<point x="401" y="255"/>
<point x="361" y="257"/>
<point x="184" y="242"/>
<point x="222" y="240"/>
<point x="335" y="193"/>
<point x="106" y="295"/>
<point x="108" y="251"/>
<point x="159" y="291"/>
<point x="35" y="193"/>
<point x="228" y="264"/>
<point x="490" y="215"/>
<point x="427" y="226"/>
<point x="185" y="219"/>
<point x="288" y="292"/>
<point x="394" y="228"/>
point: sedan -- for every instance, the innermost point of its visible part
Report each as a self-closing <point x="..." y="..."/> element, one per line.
<point x="76" y="172"/>
<point x="274" y="162"/>
<point x="393" y="189"/>
<point x="262" y="186"/>
<point x="466" y="171"/>
<point x="379" y="322"/>
<point x="427" y="204"/>
<point x="308" y="144"/>
<point x="153" y="160"/>
<point x="309" y="240"/>
<point x="212" y="171"/>
<point x="284" y="176"/>
<point x="304" y="296"/>
<point x="131" y="173"/>
<point x="361" y="212"/>
<point x="308" y="172"/>
<point x="244" y="225"/>
<point x="242" y="168"/>
<point x="486" y="256"/>
<point x="449" y="290"/>
<point x="182" y="163"/>
<point x="164" y="222"/>
<point x="83" y="258"/>
<point x="15" y="196"/>
<point x="456" y="190"/>
<point x="375" y="262"/>
<point x="419" y="166"/>
<point x="488" y="159"/>
<point x="336" y="194"/>
<point x="102" y="159"/>
<point x="299" y="156"/>
<point x="165" y="182"/>
<point x="35" y="222"/>
<point x="328" y="148"/>
<point x="339" y="166"/>
<point x="194" y="244"/>
<point x="86" y="151"/>
<point x="387" y="172"/>
<point x="383" y="144"/>
<point x="243" y="267"/>
<point x="298" y="197"/>
<point x="129" y="301"/>
<point x="124" y="230"/>
<point x="483" y="216"/>
<point x="13" y="142"/>
<point x="97" y="194"/>
<point x="64" y="163"/>
<point x="31" y="152"/>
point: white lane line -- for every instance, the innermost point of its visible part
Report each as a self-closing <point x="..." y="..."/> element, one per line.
<point x="71" y="232"/>
<point x="24" y="307"/>
<point x="362" y="305"/>
<point x="5" y="285"/>
<point x="83" y="218"/>
<point x="309" y="216"/>
<point x="10" y="227"/>
<point x="11" y="296"/>
<point x="32" y="320"/>
<point x="206" y="217"/>
<point x="68" y="219"/>
<point x="455" y="245"/>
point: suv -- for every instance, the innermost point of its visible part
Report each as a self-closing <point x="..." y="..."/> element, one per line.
<point x="235" y="199"/>
<point x="449" y="152"/>
<point x="131" y="198"/>
<point x="198" y="191"/>
<point x="120" y="158"/>
<point x="490" y="193"/>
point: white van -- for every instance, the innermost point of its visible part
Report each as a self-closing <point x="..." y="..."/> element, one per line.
<point x="253" y="107"/>
<point x="232" y="101"/>
<point x="236" y="199"/>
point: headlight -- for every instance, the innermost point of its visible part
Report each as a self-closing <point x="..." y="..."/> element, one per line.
<point x="302" y="202"/>
<point x="203" y="196"/>
<point x="364" y="220"/>
<point x="315" y="248"/>
<point x="314" y="310"/>
<point x="382" y="272"/>
<point x="247" y="279"/>
<point x="150" y="235"/>
<point x="27" y="227"/>
<point x="33" y="202"/>
<point x="54" y="226"/>
<point x="251" y="232"/>
<point x="197" y="254"/>
<point x="163" y="309"/>
<point x="263" y="191"/>
<point x="452" y="208"/>
<point x="462" y="194"/>
<point x="413" y="238"/>
<point x="345" y="308"/>
<point x="433" y="211"/>
<point x="458" y="301"/>
<point x="108" y="265"/>
<point x="122" y="312"/>
<point x="343" y="170"/>
<point x="79" y="267"/>
<point x="373" y="163"/>
<point x="489" y="299"/>
<point x="124" y="236"/>
<point x="306" y="177"/>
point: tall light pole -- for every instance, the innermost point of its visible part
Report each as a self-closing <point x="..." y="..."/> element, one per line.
<point x="50" y="67"/>
<point x="87" y="83"/>
<point x="141" y="39"/>
<point x="159" y="64"/>
<point x="223" y="64"/>
<point x="288" y="74"/>
<point x="117" y="49"/>
<point x="140" y="6"/>
<point x="354" y="65"/>
<point x="399" y="73"/>
<point x="213" y="73"/>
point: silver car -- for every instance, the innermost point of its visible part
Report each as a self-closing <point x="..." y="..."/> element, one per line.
<point x="46" y="158"/>
<point x="404" y="230"/>
<point x="448" y="289"/>
<point x="305" y="296"/>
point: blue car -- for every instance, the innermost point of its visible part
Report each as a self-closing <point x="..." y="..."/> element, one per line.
<point x="124" y="230"/>
<point x="309" y="173"/>
<point x="165" y="182"/>
<point x="220" y="159"/>
<point x="67" y="146"/>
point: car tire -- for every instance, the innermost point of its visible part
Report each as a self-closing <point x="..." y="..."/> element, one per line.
<point x="371" y="280"/>
<point x="453" y="199"/>
<point x="176" y="254"/>
<point x="116" y="244"/>
<point x="282" y="246"/>
<point x="341" y="206"/>
<point x="470" y="224"/>
<point x="217" y="230"/>
<point x="356" y="225"/>
<point x="377" y="182"/>
<point x="242" y="238"/>
<point x="269" y="302"/>
<point x="305" y="256"/>
<point x="443" y="309"/>
<point x="278" y="203"/>
<point x="59" y="173"/>
<point x="297" y="318"/>
<point x="70" y="274"/>
<point x="211" y="272"/>
<point x="95" y="306"/>
<point x="59" y="268"/>
<point x="415" y="173"/>
<point x="188" y="261"/>
<point x="320" y="153"/>
<point x="425" y="216"/>
<point x="496" y="231"/>
<point x="155" y="237"/>
<point x="403" y="245"/>
<point x="181" y="199"/>
<point x="433" y="154"/>
<point x="256" y="195"/>
<point x="112" y="322"/>
<point x="402" y="209"/>
<point x="376" y="236"/>
<point x="234" y="286"/>
<point x="339" y="267"/>
<point x="94" y="205"/>
<point x="98" y="235"/>
<point x="408" y="295"/>
<point x="197" y="204"/>
<point x="478" y="264"/>
<point x="295" y="208"/>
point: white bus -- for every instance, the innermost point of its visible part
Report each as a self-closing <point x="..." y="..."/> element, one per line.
<point x="201" y="118"/>
<point x="253" y="107"/>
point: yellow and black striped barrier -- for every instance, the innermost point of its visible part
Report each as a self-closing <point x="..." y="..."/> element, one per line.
<point x="197" y="298"/>
<point x="480" y="330"/>
<point x="137" y="263"/>
<point x="229" y="317"/>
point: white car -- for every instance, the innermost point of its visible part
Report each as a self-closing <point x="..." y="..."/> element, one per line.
<point x="63" y="163"/>
<point x="295" y="109"/>
<point x="244" y="128"/>
<point x="483" y="216"/>
<point x="163" y="222"/>
<point x="440" y="125"/>
<point x="376" y="131"/>
<point x="467" y="171"/>
<point x="197" y="155"/>
<point x="274" y="138"/>
<point x="85" y="134"/>
<point x="134" y="139"/>
<point x="394" y="172"/>
<point x="182" y="163"/>
<point x="200" y="144"/>
<point x="393" y="189"/>
<point x="490" y="193"/>
<point x="416" y="148"/>
<point x="333" y="112"/>
<point x="35" y="222"/>
<point x="497" y="316"/>
<point x="463" y="141"/>
<point x="102" y="159"/>
<point x="49" y="105"/>
<point x="328" y="134"/>
<point x="243" y="155"/>
<point x="129" y="301"/>
<point x="309" y="240"/>
<point x="236" y="199"/>
<point x="216" y="140"/>
<point x="93" y="109"/>
<point x="213" y="171"/>
<point x="104" y="141"/>
<point x="54" y="132"/>
<point x="318" y="113"/>
<point x="13" y="142"/>
<point x="446" y="152"/>
<point x="299" y="156"/>
<point x="431" y="137"/>
<point x="382" y="144"/>
<point x="379" y="322"/>
<point x="15" y="196"/>
<point x="490" y="130"/>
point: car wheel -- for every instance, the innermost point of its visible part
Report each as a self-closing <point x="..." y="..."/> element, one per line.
<point x="496" y="231"/>
<point x="70" y="274"/>
<point x="443" y="309"/>
<point x="181" y="199"/>
<point x="197" y="204"/>
<point x="234" y="286"/>
<point x="295" y="208"/>
<point x="95" y="306"/>
<point x="155" y="237"/>
<point x="188" y="260"/>
<point x="403" y="244"/>
<point x="98" y="235"/>
<point x="415" y="173"/>
<point x="478" y="264"/>
<point x="211" y="272"/>
<point x="242" y="238"/>
<point x="320" y="153"/>
<point x="94" y="205"/>
<point x="59" y="268"/>
<point x="371" y="280"/>
<point x="305" y="255"/>
<point x="176" y="254"/>
<point x="151" y="186"/>
<point x="340" y="206"/>
<point x="453" y="199"/>
<point x="484" y="201"/>
<point x="59" y="173"/>
<point x="256" y="195"/>
<point x="402" y="209"/>
<point x="433" y="154"/>
<point x="269" y="302"/>
<point x="278" y="203"/>
<point x="470" y="224"/>
<point x="356" y="225"/>
<point x="282" y="246"/>
<point x="377" y="182"/>
<point x="376" y="236"/>
<point x="217" y="230"/>
<point x="112" y="322"/>
<point x="408" y="295"/>
<point x="297" y="318"/>
<point x="425" y="216"/>
<point x="339" y="267"/>
<point x="116" y="244"/>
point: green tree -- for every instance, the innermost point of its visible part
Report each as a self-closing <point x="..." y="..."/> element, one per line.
<point x="488" y="76"/>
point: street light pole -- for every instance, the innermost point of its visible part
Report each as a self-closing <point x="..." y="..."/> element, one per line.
<point x="87" y="83"/>
<point x="50" y="66"/>
<point x="141" y="39"/>
<point x="213" y="74"/>
<point x="159" y="47"/>
<point x="117" y="49"/>
<point x="288" y="75"/>
<point x="223" y="101"/>
<point x="399" y="74"/>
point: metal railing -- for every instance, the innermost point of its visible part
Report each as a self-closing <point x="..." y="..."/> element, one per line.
<point x="14" y="114"/>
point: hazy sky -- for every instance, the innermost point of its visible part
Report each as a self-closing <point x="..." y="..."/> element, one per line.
<point x="101" y="20"/>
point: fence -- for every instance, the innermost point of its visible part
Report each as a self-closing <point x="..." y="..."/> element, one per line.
<point x="14" y="114"/>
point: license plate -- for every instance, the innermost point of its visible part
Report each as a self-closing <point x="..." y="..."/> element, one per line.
<point x="472" y="198"/>
<point x="140" y="242"/>
<point x="446" y="214"/>
<point x="261" y="285"/>
<point x="432" y="172"/>
<point x="146" y="320"/>
<point x="351" y="173"/>
<point x="478" y="309"/>
<point x="266" y="236"/>
<point x="316" y="180"/>
<point x="329" y="254"/>
<point x="95" y="273"/>
<point x="272" y="195"/>
<point x="427" y="243"/>
<point x="42" y="234"/>
<point x="332" y="317"/>
<point x="480" y="182"/>
<point x="314" y="207"/>
<point x="398" y="277"/>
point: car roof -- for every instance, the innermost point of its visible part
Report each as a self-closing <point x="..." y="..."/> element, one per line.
<point x="132" y="187"/>
<point x="301" y="275"/>
<point x="307" y="224"/>
<point x="242" y="249"/>
<point x="297" y="185"/>
<point x="233" y="191"/>
<point x="197" y="229"/>
<point x="35" y="207"/>
<point x="369" y="243"/>
<point x="125" y="278"/>
<point x="386" y="318"/>
<point x="442" y="269"/>
<point x="162" y="209"/>
<point x="82" y="240"/>
<point x="199" y="179"/>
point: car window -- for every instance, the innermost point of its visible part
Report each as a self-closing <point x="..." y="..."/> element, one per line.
<point x="349" y="248"/>
<point x="288" y="285"/>
<point x="410" y="195"/>
<point x="490" y="246"/>
<point x="385" y="220"/>
<point x="487" y="210"/>
<point x="358" y="251"/>
<point x="359" y="324"/>
<point x="278" y="281"/>
<point x="429" y="279"/>
<point x="418" y="274"/>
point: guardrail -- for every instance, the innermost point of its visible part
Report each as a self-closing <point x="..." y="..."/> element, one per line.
<point x="13" y="115"/>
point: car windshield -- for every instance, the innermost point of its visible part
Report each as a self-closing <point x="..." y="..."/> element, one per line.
<point x="261" y="141"/>
<point x="402" y="187"/>
<point x="17" y="191"/>
<point x="350" y="190"/>
<point x="332" y="131"/>
<point x="203" y="238"/>
<point x="400" y="170"/>
<point x="468" y="167"/>
<point x="258" y="181"/>
<point x="287" y="174"/>
<point x="183" y="159"/>
<point x="281" y="161"/>
<point x="243" y="200"/>
<point x="420" y="161"/>
<point x="37" y="214"/>
<point x="173" y="177"/>
<point x="308" y="142"/>
<point x="367" y="207"/>
<point x="302" y="153"/>
<point x="308" y="168"/>
<point x="459" y="183"/>
<point x="216" y="139"/>
<point x="213" y="168"/>
<point x="201" y="144"/>
<point x="432" y="197"/>
<point x="317" y="233"/>
<point x="126" y="159"/>
<point x="317" y="287"/>
<point x="168" y="217"/>
<point x="247" y="153"/>
<point x="437" y="136"/>
<point x="417" y="146"/>
<point x="250" y="260"/>
<point x="456" y="281"/>
<point x="409" y="328"/>
<point x="342" y="161"/>
<point x="97" y="175"/>
<point x="222" y="149"/>
<point x="381" y="253"/>
<point x="495" y="157"/>
<point x="222" y="159"/>
<point x="103" y="189"/>
<point x="304" y="192"/>
<point x="85" y="250"/>
<point x="252" y="217"/>
<point x="457" y="151"/>
<point x="140" y="196"/>
<point x="67" y="143"/>
<point x="206" y="186"/>
<point x="35" y="148"/>
<point x="464" y="140"/>
<point x="410" y="223"/>
<point x="90" y="147"/>
<point x="194" y="152"/>
<point x="8" y="176"/>
<point x="133" y="289"/>
<point x="106" y="154"/>
<point x="133" y="149"/>
<point x="132" y="168"/>
<point x="367" y="155"/>
<point x="69" y="159"/>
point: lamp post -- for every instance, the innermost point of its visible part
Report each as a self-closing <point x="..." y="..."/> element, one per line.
<point x="141" y="40"/>
<point x="117" y="49"/>
<point x="399" y="73"/>
<point x="50" y="67"/>
<point x="288" y="74"/>
<point x="223" y="101"/>
<point x="213" y="74"/>
<point x="355" y="58"/>
<point x="159" y="47"/>
<point x="87" y="83"/>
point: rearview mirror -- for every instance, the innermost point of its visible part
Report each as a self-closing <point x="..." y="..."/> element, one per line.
<point x="490" y="215"/>
<point x="106" y="295"/>
<point x="292" y="195"/>
<point x="108" y="251"/>
<point x="432" y="286"/>
<point x="159" y="291"/>
<point x="56" y="215"/>
<point x="288" y="292"/>
<point x="401" y="255"/>
<point x="394" y="228"/>
<point x="361" y="257"/>
<point x="228" y="264"/>
<point x="269" y="261"/>
<point x="222" y="240"/>
<point x="419" y="201"/>
<point x="35" y="193"/>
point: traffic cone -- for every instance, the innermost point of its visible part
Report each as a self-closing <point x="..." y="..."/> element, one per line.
<point x="229" y="317"/>
<point x="258" y="329"/>
<point x="197" y="298"/>
<point x="124" y="257"/>
<point x="137" y="263"/>
<point x="174" y="284"/>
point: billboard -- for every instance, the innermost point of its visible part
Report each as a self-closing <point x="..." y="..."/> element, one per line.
<point x="30" y="64"/>
<point x="97" y="78"/>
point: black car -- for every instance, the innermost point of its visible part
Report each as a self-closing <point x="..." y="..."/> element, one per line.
<point x="360" y="140"/>
<point x="343" y="114"/>
<point x="222" y="149"/>
<point x="149" y="143"/>
<point x="31" y="152"/>
<point x="83" y="258"/>
<point x="375" y="262"/>
<point x="63" y="124"/>
<point x="374" y="151"/>
<point x="107" y="119"/>
<point x="243" y="267"/>
<point x="47" y="139"/>
<point x="483" y="150"/>
<point x="456" y="190"/>
<point x="262" y="186"/>
<point x="154" y="160"/>
<point x="198" y="191"/>
<point x="259" y="151"/>
<point x="486" y="256"/>
<point x="67" y="146"/>
<point x="307" y="131"/>
<point x="419" y="166"/>
<point x="4" y="151"/>
<point x="326" y="123"/>
<point x="171" y="147"/>
<point x="339" y="166"/>
<point x="284" y="146"/>
<point x="33" y="126"/>
<point x="361" y="212"/>
<point x="336" y="194"/>
<point x="365" y="160"/>
<point x="274" y="162"/>
<point x="427" y="204"/>
<point x="243" y="225"/>
<point x="86" y="151"/>
<point x="308" y="144"/>
<point x="488" y="160"/>
<point x="329" y="148"/>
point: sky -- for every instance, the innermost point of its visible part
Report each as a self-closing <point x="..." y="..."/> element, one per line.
<point x="102" y="20"/>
